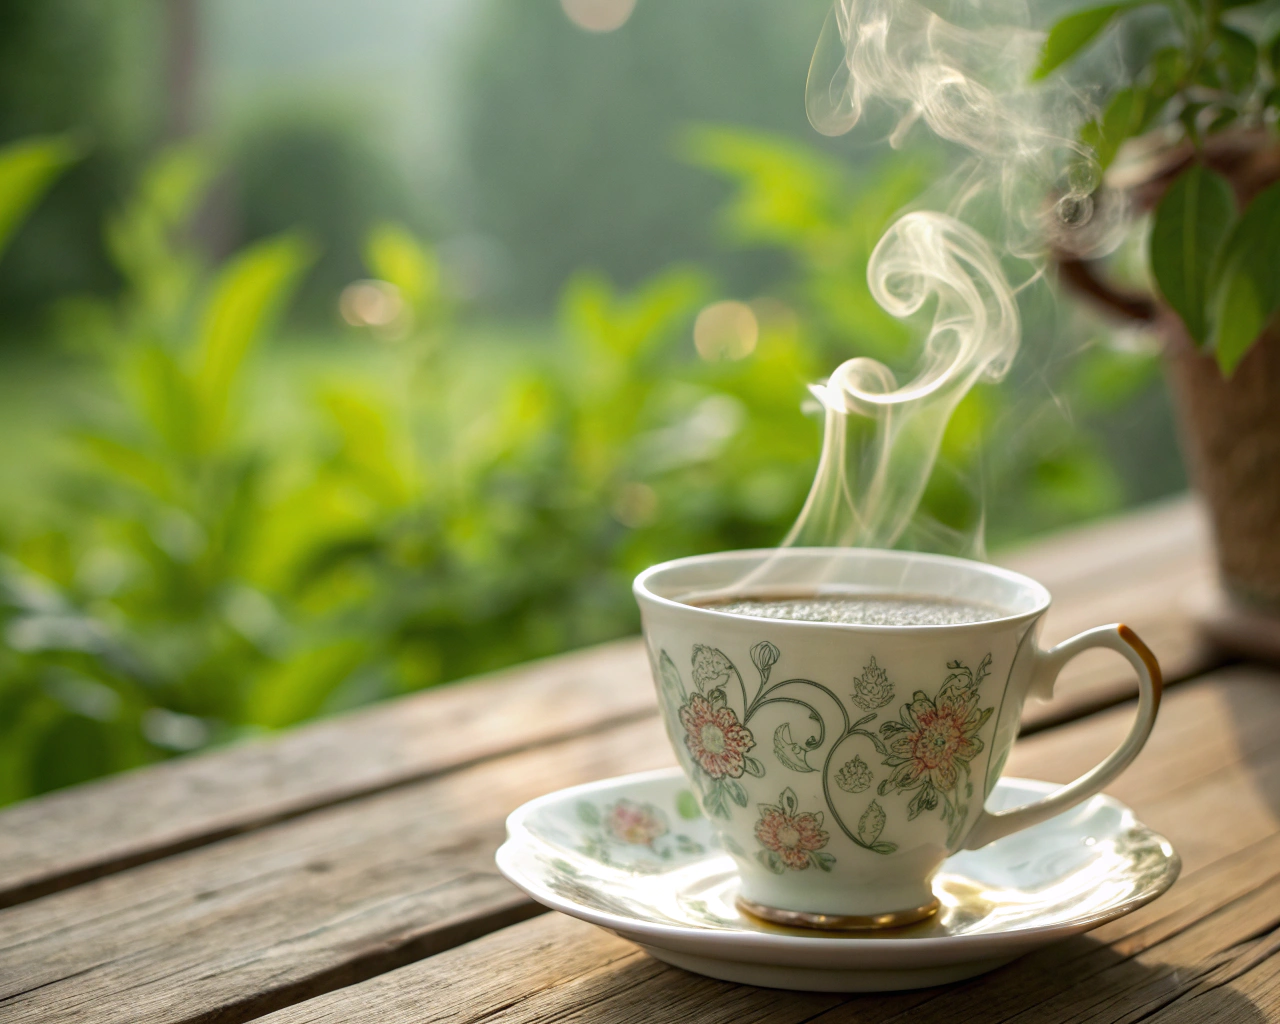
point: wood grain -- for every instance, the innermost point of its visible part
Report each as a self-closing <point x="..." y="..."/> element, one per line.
<point x="1207" y="950"/>
<point x="1150" y="570"/>
<point x="265" y="920"/>
<point x="93" y="830"/>
<point x="234" y="929"/>
<point x="1139" y="568"/>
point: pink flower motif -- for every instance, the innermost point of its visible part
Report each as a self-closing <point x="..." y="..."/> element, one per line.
<point x="935" y="739"/>
<point x="715" y="737"/>
<point x="792" y="835"/>
<point x="636" y="823"/>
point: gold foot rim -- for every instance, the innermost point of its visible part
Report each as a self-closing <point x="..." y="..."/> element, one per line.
<point x="838" y="922"/>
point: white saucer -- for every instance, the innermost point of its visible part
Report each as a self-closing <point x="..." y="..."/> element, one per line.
<point x="633" y="855"/>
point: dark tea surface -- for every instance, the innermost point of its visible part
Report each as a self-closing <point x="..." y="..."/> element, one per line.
<point x="865" y="610"/>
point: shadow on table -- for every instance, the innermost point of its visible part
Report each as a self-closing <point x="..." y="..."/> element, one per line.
<point x="1080" y="979"/>
<point x="1251" y="706"/>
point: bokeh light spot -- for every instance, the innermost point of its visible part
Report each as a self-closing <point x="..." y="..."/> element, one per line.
<point x="376" y="304"/>
<point x="726" y="330"/>
<point x="635" y="505"/>
<point x="598" y="15"/>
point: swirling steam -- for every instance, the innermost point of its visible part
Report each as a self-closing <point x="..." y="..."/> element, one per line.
<point x="1024" y="186"/>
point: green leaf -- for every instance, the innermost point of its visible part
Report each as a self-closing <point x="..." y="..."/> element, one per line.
<point x="884" y="848"/>
<point x="735" y="790"/>
<point x="27" y="169"/>
<point x="588" y="813"/>
<point x="1239" y="55"/>
<point x="823" y="860"/>
<point x="74" y="749"/>
<point x="1190" y="223"/>
<point x="771" y="861"/>
<point x="788" y="801"/>
<point x="1246" y="282"/>
<point x="127" y="463"/>
<point x="296" y="689"/>
<point x="753" y="767"/>
<point x="249" y="292"/>
<point x="871" y="824"/>
<point x="1072" y="34"/>
<point x="687" y="805"/>
<point x="395" y="256"/>
<point x="1122" y="119"/>
<point x="791" y="754"/>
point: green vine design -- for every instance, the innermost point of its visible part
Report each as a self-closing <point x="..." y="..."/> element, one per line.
<point x="718" y="741"/>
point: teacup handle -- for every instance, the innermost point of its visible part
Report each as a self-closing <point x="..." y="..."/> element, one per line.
<point x="993" y="825"/>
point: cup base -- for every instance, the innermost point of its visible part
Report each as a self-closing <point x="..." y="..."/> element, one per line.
<point x="837" y="922"/>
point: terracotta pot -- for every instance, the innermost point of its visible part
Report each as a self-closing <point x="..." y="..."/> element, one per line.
<point x="1231" y="441"/>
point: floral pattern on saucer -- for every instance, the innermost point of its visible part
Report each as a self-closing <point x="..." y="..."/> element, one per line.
<point x="612" y="833"/>
<point x="1043" y="882"/>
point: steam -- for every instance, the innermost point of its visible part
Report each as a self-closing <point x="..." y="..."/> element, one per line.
<point x="867" y="502"/>
<point x="1025" y="186"/>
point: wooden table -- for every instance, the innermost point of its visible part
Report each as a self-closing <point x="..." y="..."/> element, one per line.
<point x="344" y="871"/>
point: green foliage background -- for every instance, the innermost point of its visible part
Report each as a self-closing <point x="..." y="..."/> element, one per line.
<point x="206" y="567"/>
<point x="224" y="513"/>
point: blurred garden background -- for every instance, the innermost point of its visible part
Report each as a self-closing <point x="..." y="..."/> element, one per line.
<point x="348" y="349"/>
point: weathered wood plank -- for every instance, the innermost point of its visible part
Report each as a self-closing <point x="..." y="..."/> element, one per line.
<point x="232" y="930"/>
<point x="1144" y="569"/>
<point x="261" y="921"/>
<point x="92" y="830"/>
<point x="1136" y="568"/>
<point x="1209" y="947"/>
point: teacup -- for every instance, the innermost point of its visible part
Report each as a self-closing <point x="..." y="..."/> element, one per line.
<point x="842" y="764"/>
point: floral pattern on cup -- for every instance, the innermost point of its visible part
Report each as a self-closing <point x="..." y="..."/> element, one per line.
<point x="792" y="839"/>
<point x="933" y="742"/>
<point x="872" y="690"/>
<point x="715" y="737"/>
<point x="854" y="776"/>
<point x="710" y="666"/>
<point x="929" y="747"/>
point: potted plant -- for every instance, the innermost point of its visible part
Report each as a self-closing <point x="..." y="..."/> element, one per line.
<point x="1189" y="133"/>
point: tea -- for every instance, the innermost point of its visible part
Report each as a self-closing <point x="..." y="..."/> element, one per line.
<point x="864" y="610"/>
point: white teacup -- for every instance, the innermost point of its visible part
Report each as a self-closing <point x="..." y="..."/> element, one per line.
<point x="842" y="764"/>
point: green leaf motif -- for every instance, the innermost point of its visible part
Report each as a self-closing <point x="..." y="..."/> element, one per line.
<point x="790" y="753"/>
<point x="588" y="814"/>
<point x="1246" y="286"/>
<point x="714" y="801"/>
<point x="1190" y="224"/>
<point x="671" y="680"/>
<point x="1072" y="34"/>
<point x="753" y="767"/>
<point x="771" y="861"/>
<point x="736" y="792"/>
<point x="822" y="860"/>
<point x="871" y="824"/>
<point x="687" y="805"/>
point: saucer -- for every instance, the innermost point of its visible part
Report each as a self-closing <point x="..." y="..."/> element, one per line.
<point x="635" y="856"/>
